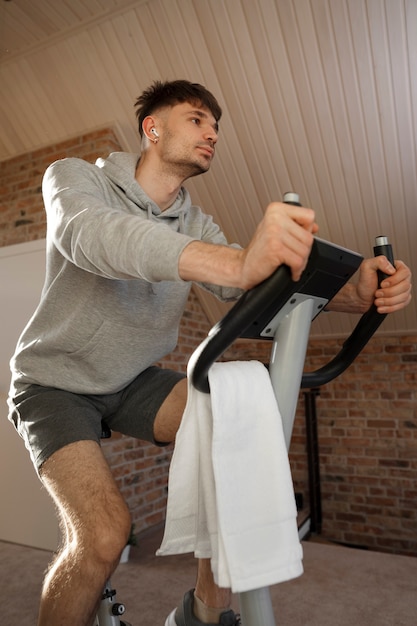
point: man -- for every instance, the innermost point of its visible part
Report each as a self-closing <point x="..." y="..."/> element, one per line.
<point x="123" y="245"/>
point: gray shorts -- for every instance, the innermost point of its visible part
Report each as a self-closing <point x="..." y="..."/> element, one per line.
<point x="48" y="419"/>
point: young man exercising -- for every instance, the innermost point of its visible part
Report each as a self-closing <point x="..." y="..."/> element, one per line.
<point x="124" y="244"/>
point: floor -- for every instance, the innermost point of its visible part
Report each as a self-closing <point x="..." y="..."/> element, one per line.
<point x="340" y="586"/>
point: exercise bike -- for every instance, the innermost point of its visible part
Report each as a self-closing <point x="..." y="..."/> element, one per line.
<point x="279" y="310"/>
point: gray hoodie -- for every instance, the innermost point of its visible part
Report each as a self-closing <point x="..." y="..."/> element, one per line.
<point x="112" y="299"/>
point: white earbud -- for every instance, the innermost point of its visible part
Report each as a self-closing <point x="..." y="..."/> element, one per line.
<point x="154" y="132"/>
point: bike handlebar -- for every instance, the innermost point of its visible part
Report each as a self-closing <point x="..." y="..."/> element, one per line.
<point x="357" y="340"/>
<point x="255" y="305"/>
<point x="252" y="303"/>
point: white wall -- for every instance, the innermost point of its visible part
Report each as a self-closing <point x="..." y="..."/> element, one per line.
<point x="22" y="270"/>
<point x="27" y="513"/>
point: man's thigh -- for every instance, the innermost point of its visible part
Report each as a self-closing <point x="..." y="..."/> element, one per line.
<point x="80" y="482"/>
<point x="169" y="416"/>
<point x="151" y="407"/>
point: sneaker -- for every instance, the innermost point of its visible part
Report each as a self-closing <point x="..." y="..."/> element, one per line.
<point x="184" y="616"/>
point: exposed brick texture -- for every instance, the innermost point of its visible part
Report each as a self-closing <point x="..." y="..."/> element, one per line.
<point x="367" y="417"/>
<point x="22" y="217"/>
<point x="367" y="431"/>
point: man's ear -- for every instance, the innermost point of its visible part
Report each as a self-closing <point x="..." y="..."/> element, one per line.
<point x="148" y="126"/>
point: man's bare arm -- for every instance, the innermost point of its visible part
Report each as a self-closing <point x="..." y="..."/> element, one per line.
<point x="284" y="236"/>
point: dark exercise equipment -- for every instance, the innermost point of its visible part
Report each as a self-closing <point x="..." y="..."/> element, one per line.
<point x="281" y="310"/>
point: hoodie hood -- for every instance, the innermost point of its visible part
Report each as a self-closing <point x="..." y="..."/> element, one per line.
<point x="120" y="169"/>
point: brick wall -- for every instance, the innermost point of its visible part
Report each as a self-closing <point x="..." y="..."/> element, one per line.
<point x="367" y="432"/>
<point x="367" y="417"/>
<point x="22" y="216"/>
<point x="367" y="428"/>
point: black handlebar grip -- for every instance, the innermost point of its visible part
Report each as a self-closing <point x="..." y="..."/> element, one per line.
<point x="382" y="246"/>
<point x="291" y="198"/>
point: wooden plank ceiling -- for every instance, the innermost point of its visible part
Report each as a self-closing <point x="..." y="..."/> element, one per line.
<point x="319" y="96"/>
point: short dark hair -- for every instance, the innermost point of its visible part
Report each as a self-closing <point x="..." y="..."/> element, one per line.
<point x="162" y="94"/>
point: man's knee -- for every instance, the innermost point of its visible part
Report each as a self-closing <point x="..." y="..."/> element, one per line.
<point x="105" y="542"/>
<point x="94" y="513"/>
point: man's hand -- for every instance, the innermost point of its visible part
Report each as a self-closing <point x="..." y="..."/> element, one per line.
<point x="395" y="290"/>
<point x="283" y="237"/>
<point x="393" y="295"/>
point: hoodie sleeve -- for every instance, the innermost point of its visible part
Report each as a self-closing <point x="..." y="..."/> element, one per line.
<point x="100" y="235"/>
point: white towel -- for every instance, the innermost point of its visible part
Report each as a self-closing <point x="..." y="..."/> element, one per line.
<point x="230" y="494"/>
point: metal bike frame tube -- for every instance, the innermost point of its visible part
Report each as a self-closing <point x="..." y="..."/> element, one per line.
<point x="286" y="369"/>
<point x="256" y="608"/>
<point x="287" y="362"/>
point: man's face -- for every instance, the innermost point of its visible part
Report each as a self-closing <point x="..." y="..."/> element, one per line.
<point x="188" y="138"/>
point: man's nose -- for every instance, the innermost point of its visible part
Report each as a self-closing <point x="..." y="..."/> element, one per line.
<point x="211" y="135"/>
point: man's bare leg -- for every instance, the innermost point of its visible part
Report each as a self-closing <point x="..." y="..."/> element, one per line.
<point x="214" y="599"/>
<point x="166" y="424"/>
<point x="97" y="524"/>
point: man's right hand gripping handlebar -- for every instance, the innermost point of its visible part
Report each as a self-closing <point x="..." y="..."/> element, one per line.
<point x="283" y="237"/>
